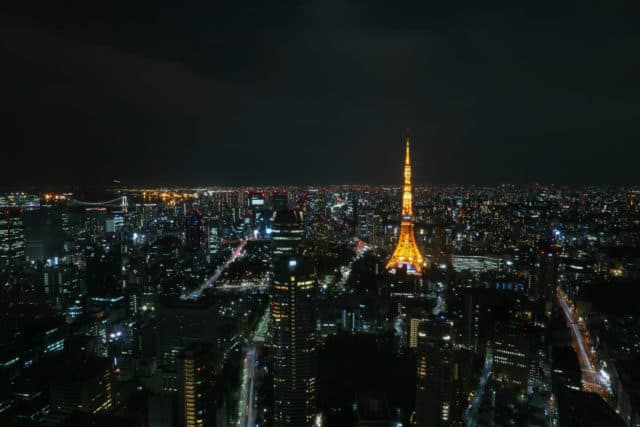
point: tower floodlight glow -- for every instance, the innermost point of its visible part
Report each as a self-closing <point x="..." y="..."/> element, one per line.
<point x="407" y="253"/>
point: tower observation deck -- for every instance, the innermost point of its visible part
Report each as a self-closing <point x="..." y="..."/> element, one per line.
<point x="406" y="253"/>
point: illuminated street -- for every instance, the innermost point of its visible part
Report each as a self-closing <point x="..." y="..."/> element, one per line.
<point x="246" y="403"/>
<point x="246" y="412"/>
<point x="472" y="410"/>
<point x="216" y="275"/>
<point x="591" y="378"/>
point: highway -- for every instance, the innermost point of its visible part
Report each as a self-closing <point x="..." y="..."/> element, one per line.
<point x="216" y="275"/>
<point x="591" y="378"/>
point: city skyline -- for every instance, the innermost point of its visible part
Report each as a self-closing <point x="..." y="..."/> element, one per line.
<point x="320" y="214"/>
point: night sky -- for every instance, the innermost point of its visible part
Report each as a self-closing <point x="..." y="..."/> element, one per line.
<point x="319" y="92"/>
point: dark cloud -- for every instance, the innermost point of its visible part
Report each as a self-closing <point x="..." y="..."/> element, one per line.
<point x="320" y="92"/>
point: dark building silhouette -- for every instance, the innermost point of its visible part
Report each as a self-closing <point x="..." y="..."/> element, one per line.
<point x="193" y="229"/>
<point x="373" y="410"/>
<point x="81" y="385"/>
<point x="463" y="383"/>
<point x="434" y="395"/>
<point x="181" y="323"/>
<point x="546" y="273"/>
<point x="578" y="408"/>
<point x="43" y="233"/>
<point x="280" y="200"/>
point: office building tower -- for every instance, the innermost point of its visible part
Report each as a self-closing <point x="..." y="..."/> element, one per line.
<point x="414" y="326"/>
<point x="213" y="237"/>
<point x="373" y="410"/>
<point x="160" y="411"/>
<point x="105" y="290"/>
<point x="193" y="229"/>
<point x="286" y="233"/>
<point x="512" y="358"/>
<point x="195" y="383"/>
<point x="294" y="341"/>
<point x="256" y="200"/>
<point x="406" y="255"/>
<point x="471" y="315"/>
<point x="12" y="242"/>
<point x="81" y="386"/>
<point x="280" y="200"/>
<point x="30" y="403"/>
<point x="114" y="223"/>
<point x="434" y="377"/>
<point x="181" y="323"/>
<point x="463" y="384"/>
<point x="43" y="234"/>
<point x="546" y="272"/>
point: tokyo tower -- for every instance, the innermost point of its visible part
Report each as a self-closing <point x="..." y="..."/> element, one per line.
<point x="406" y="253"/>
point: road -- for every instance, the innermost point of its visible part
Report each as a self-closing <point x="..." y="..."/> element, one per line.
<point x="441" y="305"/>
<point x="591" y="378"/>
<point x="247" y="405"/>
<point x="472" y="412"/>
<point x="246" y="413"/>
<point x="216" y="275"/>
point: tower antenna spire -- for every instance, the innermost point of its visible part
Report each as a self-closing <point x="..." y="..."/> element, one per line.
<point x="407" y="253"/>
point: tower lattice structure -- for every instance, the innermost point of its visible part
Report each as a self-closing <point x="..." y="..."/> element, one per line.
<point x="407" y="252"/>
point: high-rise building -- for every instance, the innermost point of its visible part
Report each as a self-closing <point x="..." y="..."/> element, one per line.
<point x="82" y="386"/>
<point x="406" y="255"/>
<point x="280" y="200"/>
<point x="43" y="233"/>
<point x="193" y="229"/>
<point x="114" y="223"/>
<point x="213" y="237"/>
<point x="294" y="341"/>
<point x="195" y="383"/>
<point x="30" y="403"/>
<point x="463" y="383"/>
<point x="181" y="323"/>
<point x="414" y="326"/>
<point x="286" y="232"/>
<point x="12" y="240"/>
<point x="373" y="410"/>
<point x="512" y="358"/>
<point x="434" y="383"/>
<point x="546" y="272"/>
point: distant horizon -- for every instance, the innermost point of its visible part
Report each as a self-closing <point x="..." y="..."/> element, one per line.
<point x="142" y="187"/>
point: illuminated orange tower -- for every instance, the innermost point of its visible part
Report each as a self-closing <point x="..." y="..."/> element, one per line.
<point x="407" y="252"/>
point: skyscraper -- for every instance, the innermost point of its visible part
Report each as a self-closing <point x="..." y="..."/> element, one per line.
<point x="434" y="383"/>
<point x="195" y="383"/>
<point x="294" y="341"/>
<point x="11" y="236"/>
<point x="193" y="229"/>
<point x="81" y="385"/>
<point x="293" y="326"/>
<point x="406" y="253"/>
<point x="546" y="271"/>
<point x="286" y="232"/>
<point x="280" y="200"/>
